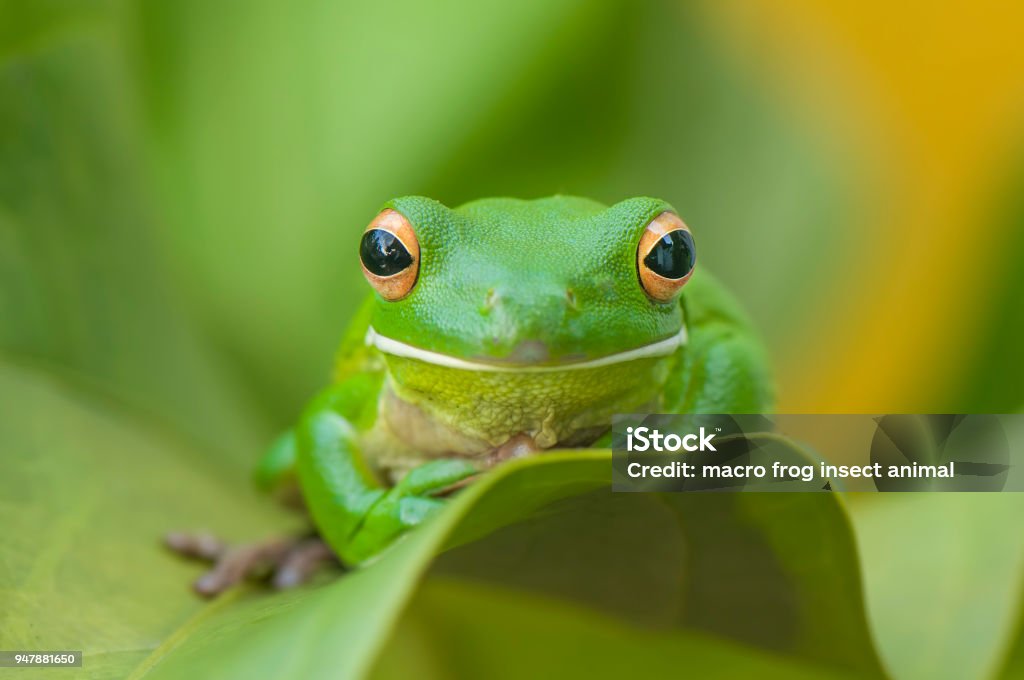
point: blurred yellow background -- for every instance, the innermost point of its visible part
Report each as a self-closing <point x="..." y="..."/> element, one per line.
<point x="926" y="103"/>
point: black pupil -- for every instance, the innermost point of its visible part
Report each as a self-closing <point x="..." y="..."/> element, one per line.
<point x="673" y="256"/>
<point x="382" y="253"/>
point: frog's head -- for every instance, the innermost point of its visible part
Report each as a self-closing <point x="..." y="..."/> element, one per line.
<point x="509" y="285"/>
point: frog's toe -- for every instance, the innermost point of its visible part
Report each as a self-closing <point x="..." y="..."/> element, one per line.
<point x="301" y="562"/>
<point x="200" y="546"/>
<point x="287" y="561"/>
<point x="235" y="564"/>
<point x="435" y="477"/>
<point x="389" y="519"/>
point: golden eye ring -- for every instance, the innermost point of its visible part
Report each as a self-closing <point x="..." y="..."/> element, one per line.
<point x="665" y="257"/>
<point x="389" y="253"/>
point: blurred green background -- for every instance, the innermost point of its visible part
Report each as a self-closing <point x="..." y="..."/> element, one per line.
<point x="182" y="185"/>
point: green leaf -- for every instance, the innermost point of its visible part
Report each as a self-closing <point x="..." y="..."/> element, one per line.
<point x="727" y="580"/>
<point x="775" y="572"/>
<point x="85" y="496"/>
<point x="337" y="630"/>
<point x="944" y="579"/>
<point x="942" y="575"/>
<point x="468" y="630"/>
<point x="723" y="567"/>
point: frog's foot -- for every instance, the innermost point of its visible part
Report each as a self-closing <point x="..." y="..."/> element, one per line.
<point x="287" y="561"/>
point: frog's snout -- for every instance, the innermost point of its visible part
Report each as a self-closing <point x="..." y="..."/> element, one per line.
<point x="556" y="302"/>
<point x="524" y="324"/>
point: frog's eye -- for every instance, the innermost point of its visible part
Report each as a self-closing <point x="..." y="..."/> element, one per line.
<point x="665" y="257"/>
<point x="390" y="255"/>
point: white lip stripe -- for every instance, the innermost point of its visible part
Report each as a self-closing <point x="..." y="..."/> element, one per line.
<point x="400" y="349"/>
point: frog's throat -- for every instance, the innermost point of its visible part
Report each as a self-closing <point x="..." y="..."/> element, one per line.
<point x="400" y="349"/>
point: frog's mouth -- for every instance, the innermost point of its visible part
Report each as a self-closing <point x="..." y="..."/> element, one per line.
<point x="400" y="349"/>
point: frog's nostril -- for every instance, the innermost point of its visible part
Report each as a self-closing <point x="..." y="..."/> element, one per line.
<point x="570" y="298"/>
<point x="491" y="298"/>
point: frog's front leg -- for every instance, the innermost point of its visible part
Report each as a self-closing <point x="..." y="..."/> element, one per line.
<point x="356" y="515"/>
<point x="354" y="512"/>
<point x="722" y="368"/>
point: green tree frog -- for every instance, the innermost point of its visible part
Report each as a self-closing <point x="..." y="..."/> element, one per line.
<point x="498" y="329"/>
